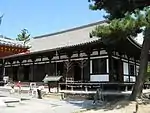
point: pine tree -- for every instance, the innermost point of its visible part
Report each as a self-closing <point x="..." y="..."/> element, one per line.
<point x="123" y="25"/>
<point x="23" y="36"/>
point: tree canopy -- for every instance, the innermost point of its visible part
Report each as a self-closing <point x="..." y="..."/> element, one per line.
<point x="128" y="16"/>
<point x="117" y="8"/>
<point x="130" y="25"/>
<point x="23" y="36"/>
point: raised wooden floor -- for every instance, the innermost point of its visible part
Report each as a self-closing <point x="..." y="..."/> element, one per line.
<point x="119" y="93"/>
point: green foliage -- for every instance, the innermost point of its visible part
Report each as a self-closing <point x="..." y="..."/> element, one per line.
<point x="117" y="8"/>
<point x="123" y="25"/>
<point x="122" y="28"/>
<point x="23" y="36"/>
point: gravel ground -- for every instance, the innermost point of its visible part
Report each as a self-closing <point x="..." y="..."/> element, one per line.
<point x="49" y="105"/>
<point x="32" y="105"/>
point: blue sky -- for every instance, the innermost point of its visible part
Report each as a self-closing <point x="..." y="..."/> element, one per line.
<point x="45" y="16"/>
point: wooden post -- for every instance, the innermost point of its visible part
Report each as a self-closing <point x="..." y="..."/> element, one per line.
<point x="89" y="67"/>
<point x="68" y="64"/>
<point x="82" y="64"/>
<point x="58" y="87"/>
<point x="120" y="68"/>
<point x="89" y="52"/>
<point x="11" y="62"/>
<point x="20" y="70"/>
<point x="135" y="70"/>
<point x="3" y="70"/>
<point x="33" y="63"/>
<point x="49" y="58"/>
<point x="110" y="65"/>
<point x="129" y="68"/>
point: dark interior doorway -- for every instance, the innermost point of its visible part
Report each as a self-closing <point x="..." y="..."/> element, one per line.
<point x="77" y="72"/>
<point x="26" y="71"/>
<point x="15" y="73"/>
<point x="60" y="68"/>
<point x="116" y="70"/>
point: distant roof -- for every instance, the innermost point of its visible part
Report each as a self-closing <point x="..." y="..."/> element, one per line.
<point x="10" y="42"/>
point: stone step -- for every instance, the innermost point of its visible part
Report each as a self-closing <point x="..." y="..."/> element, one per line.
<point x="10" y="99"/>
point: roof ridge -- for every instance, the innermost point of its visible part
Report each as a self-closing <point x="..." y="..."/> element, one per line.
<point x="71" y="29"/>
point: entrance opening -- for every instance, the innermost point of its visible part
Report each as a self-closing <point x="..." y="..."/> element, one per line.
<point x="116" y="70"/>
<point x="15" y="76"/>
<point x="26" y="73"/>
<point x="60" y="68"/>
<point x="77" y="72"/>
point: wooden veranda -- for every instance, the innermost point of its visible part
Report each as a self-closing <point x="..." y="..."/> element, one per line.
<point x="107" y="88"/>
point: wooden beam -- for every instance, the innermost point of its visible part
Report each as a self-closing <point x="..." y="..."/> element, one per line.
<point x="50" y="58"/>
<point x="69" y="54"/>
<point x="20" y="61"/>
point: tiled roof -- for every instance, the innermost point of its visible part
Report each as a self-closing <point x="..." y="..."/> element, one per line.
<point x="71" y="37"/>
<point x="64" y="39"/>
<point x="55" y="48"/>
<point x="10" y="42"/>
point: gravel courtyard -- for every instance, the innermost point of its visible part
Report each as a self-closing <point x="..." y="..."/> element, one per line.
<point x="34" y="105"/>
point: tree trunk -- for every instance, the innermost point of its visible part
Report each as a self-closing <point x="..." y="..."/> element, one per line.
<point x="137" y="90"/>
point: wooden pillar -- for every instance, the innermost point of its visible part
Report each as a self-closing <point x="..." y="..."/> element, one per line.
<point x="48" y="71"/>
<point x="3" y="70"/>
<point x="89" y="67"/>
<point x="110" y="65"/>
<point x="20" y="73"/>
<point x="82" y="64"/>
<point x="128" y="68"/>
<point x="69" y="54"/>
<point x="68" y="64"/>
<point x="49" y="65"/>
<point x="33" y="65"/>
<point x="12" y="75"/>
<point x="89" y="52"/>
<point x="135" y="69"/>
<point x="120" y="68"/>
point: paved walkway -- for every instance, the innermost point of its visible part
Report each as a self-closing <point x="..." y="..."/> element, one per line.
<point x="47" y="105"/>
<point x="42" y="105"/>
<point x="23" y="89"/>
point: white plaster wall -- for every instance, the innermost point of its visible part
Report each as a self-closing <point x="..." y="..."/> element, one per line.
<point x="132" y="79"/>
<point x="94" y="53"/>
<point x="137" y="70"/>
<point x="104" y="77"/>
<point x="107" y="65"/>
<point x="126" y="78"/>
<point x="103" y="52"/>
<point x="91" y="66"/>
<point x="125" y="68"/>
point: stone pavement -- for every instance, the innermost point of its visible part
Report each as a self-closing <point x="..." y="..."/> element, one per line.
<point x="46" y="105"/>
<point x="23" y="89"/>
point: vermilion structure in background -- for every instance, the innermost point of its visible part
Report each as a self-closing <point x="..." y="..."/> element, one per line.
<point x="10" y="47"/>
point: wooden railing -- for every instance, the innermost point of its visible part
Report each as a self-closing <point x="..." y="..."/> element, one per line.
<point x="93" y="86"/>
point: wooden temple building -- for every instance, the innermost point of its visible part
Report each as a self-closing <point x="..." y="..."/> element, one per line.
<point x="78" y="58"/>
